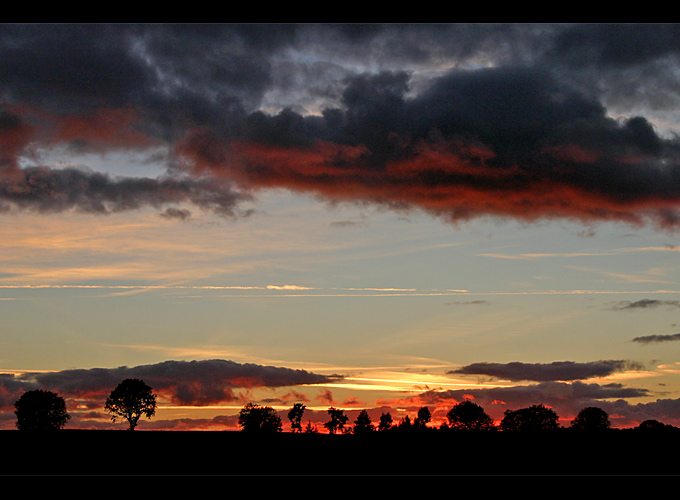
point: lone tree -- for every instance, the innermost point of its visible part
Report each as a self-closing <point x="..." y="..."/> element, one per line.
<point x="591" y="419"/>
<point x="295" y="417"/>
<point x="40" y="410"/>
<point x="130" y="400"/>
<point x="254" y="418"/>
<point x="337" y="421"/>
<point x="469" y="416"/>
<point x="531" y="419"/>
<point x="363" y="424"/>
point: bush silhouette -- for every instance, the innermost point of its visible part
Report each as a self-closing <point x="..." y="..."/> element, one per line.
<point x="254" y="418"/>
<point x="40" y="410"/>
<point x="531" y="419"/>
<point x="469" y="416"/>
<point x="591" y="419"/>
<point x="652" y="425"/>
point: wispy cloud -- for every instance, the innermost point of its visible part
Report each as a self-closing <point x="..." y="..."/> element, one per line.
<point x="566" y="255"/>
<point x="653" y="339"/>
<point x="305" y="291"/>
<point x="645" y="304"/>
<point x="287" y="287"/>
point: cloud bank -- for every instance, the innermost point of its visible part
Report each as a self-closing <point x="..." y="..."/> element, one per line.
<point x="460" y="121"/>
<point x="192" y="383"/>
<point x="545" y="372"/>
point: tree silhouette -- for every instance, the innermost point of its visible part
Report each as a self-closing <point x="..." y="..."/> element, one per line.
<point x="651" y="425"/>
<point x="469" y="416"/>
<point x="405" y="424"/>
<point x="422" y="418"/>
<point x="40" y="410"/>
<point x="385" y="422"/>
<point x="130" y="400"/>
<point x="254" y="418"/>
<point x="363" y="423"/>
<point x="295" y="417"/>
<point x="337" y="421"/>
<point x="533" y="418"/>
<point x="591" y="419"/>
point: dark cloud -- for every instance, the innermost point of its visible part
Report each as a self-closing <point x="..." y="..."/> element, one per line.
<point x="542" y="372"/>
<point x="52" y="190"/>
<point x="529" y="136"/>
<point x="617" y="45"/>
<point x="46" y="190"/>
<point x="11" y="388"/>
<point x="645" y="304"/>
<point x="451" y="151"/>
<point x="183" y="382"/>
<point x="176" y="213"/>
<point x="553" y="393"/>
<point x="652" y="339"/>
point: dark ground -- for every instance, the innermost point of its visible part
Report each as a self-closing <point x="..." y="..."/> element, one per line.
<point x="125" y="453"/>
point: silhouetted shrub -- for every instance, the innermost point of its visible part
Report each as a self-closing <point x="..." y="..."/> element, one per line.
<point x="254" y="418"/>
<point x="469" y="416"/>
<point x="531" y="419"/>
<point x="591" y="419"/>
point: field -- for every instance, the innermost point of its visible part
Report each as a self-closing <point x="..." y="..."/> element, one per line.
<point x="125" y="453"/>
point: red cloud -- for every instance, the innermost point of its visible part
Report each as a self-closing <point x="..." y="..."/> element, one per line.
<point x="457" y="181"/>
<point x="109" y="126"/>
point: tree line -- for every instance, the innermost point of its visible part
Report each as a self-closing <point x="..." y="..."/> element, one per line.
<point x="132" y="398"/>
<point x="467" y="416"/>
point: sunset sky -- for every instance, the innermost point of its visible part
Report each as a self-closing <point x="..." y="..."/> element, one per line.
<point x="377" y="217"/>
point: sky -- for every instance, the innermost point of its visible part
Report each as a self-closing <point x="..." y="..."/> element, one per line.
<point x="362" y="216"/>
